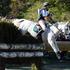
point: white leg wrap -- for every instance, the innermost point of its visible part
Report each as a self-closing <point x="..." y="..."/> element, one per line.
<point x="52" y="42"/>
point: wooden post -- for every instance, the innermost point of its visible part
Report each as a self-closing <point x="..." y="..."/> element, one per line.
<point x="33" y="67"/>
<point x="36" y="66"/>
<point x="2" y="67"/>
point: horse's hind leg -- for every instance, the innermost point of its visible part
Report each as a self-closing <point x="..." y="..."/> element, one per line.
<point x="44" y="39"/>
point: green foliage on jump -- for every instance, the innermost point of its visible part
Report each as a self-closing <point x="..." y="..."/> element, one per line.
<point x="28" y="9"/>
<point x="8" y="32"/>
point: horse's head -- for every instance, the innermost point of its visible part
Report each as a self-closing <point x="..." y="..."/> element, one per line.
<point x="64" y="27"/>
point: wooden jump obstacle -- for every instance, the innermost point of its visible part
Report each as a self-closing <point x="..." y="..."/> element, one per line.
<point x="18" y="49"/>
<point x="29" y="51"/>
<point x="26" y="54"/>
<point x="19" y="56"/>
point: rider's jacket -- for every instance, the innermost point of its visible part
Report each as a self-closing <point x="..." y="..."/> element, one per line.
<point x="41" y="13"/>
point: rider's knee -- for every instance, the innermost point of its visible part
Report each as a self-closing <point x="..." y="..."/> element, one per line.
<point x="50" y="39"/>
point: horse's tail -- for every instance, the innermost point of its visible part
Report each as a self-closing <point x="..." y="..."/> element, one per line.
<point x="4" y="19"/>
<point x="17" y="22"/>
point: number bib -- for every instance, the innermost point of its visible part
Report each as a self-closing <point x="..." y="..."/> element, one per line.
<point x="37" y="29"/>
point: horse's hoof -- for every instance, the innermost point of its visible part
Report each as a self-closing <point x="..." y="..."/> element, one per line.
<point x="60" y="55"/>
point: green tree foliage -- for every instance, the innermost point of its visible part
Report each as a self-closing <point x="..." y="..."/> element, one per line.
<point x="19" y="6"/>
<point x="15" y="6"/>
<point x="28" y="8"/>
<point x="60" y="9"/>
<point x="4" y="7"/>
<point x="32" y="13"/>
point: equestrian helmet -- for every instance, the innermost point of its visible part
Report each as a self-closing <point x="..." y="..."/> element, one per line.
<point x="45" y="4"/>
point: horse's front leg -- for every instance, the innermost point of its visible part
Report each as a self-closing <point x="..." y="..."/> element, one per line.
<point x="52" y="41"/>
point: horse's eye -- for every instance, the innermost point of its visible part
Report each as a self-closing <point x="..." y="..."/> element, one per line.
<point x="66" y="28"/>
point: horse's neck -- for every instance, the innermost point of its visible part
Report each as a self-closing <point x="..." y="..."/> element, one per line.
<point x="62" y="27"/>
<point x="59" y="25"/>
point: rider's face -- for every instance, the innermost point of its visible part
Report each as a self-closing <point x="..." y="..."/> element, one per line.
<point x="46" y="7"/>
<point x="46" y="18"/>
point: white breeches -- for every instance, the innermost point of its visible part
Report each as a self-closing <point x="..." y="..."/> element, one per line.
<point x="49" y="35"/>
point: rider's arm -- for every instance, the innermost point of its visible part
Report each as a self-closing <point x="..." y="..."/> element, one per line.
<point x="48" y="18"/>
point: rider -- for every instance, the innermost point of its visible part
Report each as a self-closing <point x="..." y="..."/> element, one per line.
<point x="44" y="15"/>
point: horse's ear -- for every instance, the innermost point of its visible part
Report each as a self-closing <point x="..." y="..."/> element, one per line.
<point x="67" y="22"/>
